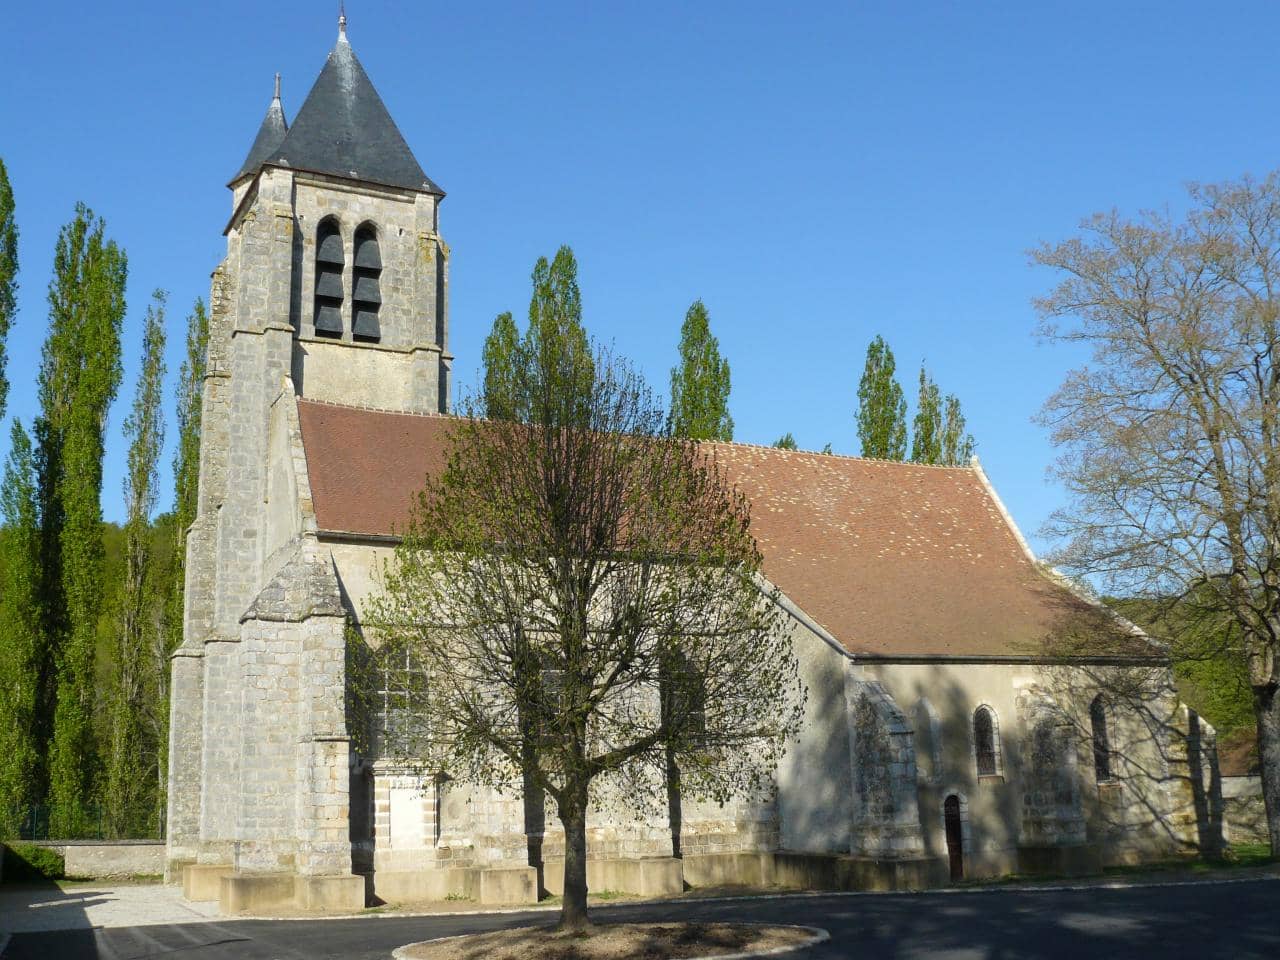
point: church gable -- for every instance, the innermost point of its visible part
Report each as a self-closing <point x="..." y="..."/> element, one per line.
<point x="892" y="559"/>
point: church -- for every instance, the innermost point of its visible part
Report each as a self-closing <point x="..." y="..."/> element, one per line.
<point x="943" y="737"/>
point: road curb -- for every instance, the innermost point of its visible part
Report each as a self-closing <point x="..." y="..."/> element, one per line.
<point x="817" y="935"/>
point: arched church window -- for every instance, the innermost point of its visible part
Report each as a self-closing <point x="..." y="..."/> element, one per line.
<point x="366" y="296"/>
<point x="1101" y="739"/>
<point x="986" y="741"/>
<point x="330" y="263"/>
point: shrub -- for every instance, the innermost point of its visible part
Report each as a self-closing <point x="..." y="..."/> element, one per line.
<point x="25" y="863"/>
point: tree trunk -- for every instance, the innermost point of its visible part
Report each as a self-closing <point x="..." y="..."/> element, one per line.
<point x="675" y="812"/>
<point x="1266" y="705"/>
<point x="573" y="814"/>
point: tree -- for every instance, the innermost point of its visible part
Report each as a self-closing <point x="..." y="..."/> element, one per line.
<point x="582" y="581"/>
<point x="786" y="442"/>
<point x="957" y="442"/>
<point x="79" y="376"/>
<point x="186" y="488"/>
<point x="500" y="357"/>
<point x="700" y="383"/>
<point x="22" y="652"/>
<point x="131" y="753"/>
<point x="882" y="408"/>
<point x="926" y="433"/>
<point x="1170" y="438"/>
<point x="8" y="279"/>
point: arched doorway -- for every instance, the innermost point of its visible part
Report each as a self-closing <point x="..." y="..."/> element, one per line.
<point x="955" y="836"/>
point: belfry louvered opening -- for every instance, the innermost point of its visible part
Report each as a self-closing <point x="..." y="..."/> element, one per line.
<point x="330" y="262"/>
<point x="366" y="295"/>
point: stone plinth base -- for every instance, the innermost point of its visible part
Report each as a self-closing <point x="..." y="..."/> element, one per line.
<point x="493" y="885"/>
<point x="734" y="869"/>
<point x="1073" y="861"/>
<point x="822" y="872"/>
<point x="646" y="877"/>
<point x="253" y="893"/>
<point x="509" y="885"/>
<point x="203" y="881"/>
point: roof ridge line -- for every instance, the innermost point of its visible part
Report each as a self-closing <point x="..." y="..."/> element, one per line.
<point x="374" y="409"/>
<point x="840" y="456"/>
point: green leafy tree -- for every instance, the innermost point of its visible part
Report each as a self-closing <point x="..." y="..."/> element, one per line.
<point x="132" y="755"/>
<point x="556" y="340"/>
<point x="501" y="349"/>
<point x="926" y="434"/>
<point x="186" y="488"/>
<point x="700" y="384"/>
<point x="786" y="442"/>
<point x="79" y="377"/>
<point x="957" y="442"/>
<point x="8" y="279"/>
<point x="882" y="408"/>
<point x="23" y="653"/>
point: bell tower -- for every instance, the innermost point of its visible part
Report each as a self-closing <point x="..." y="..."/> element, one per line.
<point x="334" y="288"/>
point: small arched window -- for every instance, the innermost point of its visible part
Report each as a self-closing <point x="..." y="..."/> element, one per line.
<point x="986" y="741"/>
<point x="330" y="262"/>
<point x="1101" y="739"/>
<point x="366" y="296"/>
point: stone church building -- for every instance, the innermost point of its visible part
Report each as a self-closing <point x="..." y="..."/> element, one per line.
<point x="941" y="739"/>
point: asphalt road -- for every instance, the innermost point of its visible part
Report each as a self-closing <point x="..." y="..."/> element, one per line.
<point x="1201" y="920"/>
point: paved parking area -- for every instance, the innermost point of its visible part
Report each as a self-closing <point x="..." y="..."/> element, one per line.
<point x="83" y="906"/>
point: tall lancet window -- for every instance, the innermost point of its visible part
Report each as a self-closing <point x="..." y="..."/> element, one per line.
<point x="329" y="265"/>
<point x="366" y="297"/>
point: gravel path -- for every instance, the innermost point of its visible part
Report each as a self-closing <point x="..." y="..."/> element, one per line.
<point x="82" y="906"/>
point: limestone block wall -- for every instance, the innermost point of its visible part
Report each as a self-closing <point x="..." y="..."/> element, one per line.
<point x="886" y="818"/>
<point x="1052" y="810"/>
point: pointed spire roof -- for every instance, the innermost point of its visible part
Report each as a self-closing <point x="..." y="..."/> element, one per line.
<point x="344" y="129"/>
<point x="270" y="135"/>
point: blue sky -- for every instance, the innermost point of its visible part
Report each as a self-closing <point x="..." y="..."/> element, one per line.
<point x="816" y="173"/>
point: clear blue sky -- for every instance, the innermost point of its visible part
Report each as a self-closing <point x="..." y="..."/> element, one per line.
<point x="817" y="174"/>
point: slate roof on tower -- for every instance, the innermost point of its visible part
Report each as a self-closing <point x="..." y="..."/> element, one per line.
<point x="270" y="135"/>
<point x="344" y="129"/>
<point x="892" y="559"/>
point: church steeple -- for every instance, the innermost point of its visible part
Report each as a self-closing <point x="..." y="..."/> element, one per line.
<point x="343" y="129"/>
<point x="270" y="135"/>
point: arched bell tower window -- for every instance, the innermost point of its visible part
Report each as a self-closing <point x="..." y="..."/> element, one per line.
<point x="330" y="262"/>
<point x="366" y="297"/>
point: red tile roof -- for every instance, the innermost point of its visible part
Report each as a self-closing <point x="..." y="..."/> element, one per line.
<point x="892" y="559"/>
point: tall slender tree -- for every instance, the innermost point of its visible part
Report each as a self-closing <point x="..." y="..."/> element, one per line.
<point x="786" y="442"/>
<point x="957" y="442"/>
<point x="22" y="652"/>
<point x="882" y="408"/>
<point x="131" y="753"/>
<point x="556" y="338"/>
<point x="186" y="488"/>
<point x="926" y="433"/>
<point x="8" y="279"/>
<point x="79" y="377"/>
<point x="499" y="357"/>
<point x="700" y="383"/>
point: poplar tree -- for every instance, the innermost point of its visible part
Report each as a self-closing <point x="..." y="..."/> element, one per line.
<point x="882" y="407"/>
<point x="786" y="442"/>
<point x="8" y="279"/>
<point x="79" y="376"/>
<point x="500" y="358"/>
<point x="957" y="442"/>
<point x="22" y="652"/>
<point x="926" y="432"/>
<point x="131" y="752"/>
<point x="700" y="384"/>
<point x="186" y="484"/>
<point x="556" y="340"/>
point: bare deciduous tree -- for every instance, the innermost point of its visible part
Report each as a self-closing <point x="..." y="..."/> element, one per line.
<point x="1170" y="437"/>
<point x="578" y="596"/>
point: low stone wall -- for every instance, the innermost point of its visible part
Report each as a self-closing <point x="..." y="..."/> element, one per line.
<point x="106" y="859"/>
<point x="1243" y="810"/>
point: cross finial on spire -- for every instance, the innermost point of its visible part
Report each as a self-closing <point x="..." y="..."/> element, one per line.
<point x="277" y="93"/>
<point x="342" y="22"/>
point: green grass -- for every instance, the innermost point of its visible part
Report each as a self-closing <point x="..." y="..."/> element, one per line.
<point x="1236" y="856"/>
